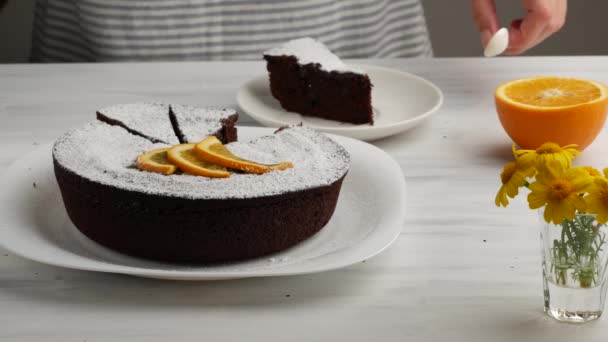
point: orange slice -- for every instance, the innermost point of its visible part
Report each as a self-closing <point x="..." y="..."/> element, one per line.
<point x="552" y="109"/>
<point x="156" y="161"/>
<point x="186" y="159"/>
<point x="212" y="150"/>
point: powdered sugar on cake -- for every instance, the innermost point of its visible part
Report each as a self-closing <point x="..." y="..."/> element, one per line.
<point x="249" y="152"/>
<point x="308" y="50"/>
<point x="148" y="119"/>
<point x="106" y="154"/>
<point x="197" y="123"/>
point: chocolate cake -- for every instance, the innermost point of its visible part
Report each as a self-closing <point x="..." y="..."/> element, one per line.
<point x="185" y="218"/>
<point x="307" y="78"/>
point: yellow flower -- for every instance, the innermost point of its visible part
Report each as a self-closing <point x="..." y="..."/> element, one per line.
<point x="558" y="190"/>
<point x="513" y="178"/>
<point x="547" y="152"/>
<point x="593" y="172"/>
<point x="606" y="172"/>
<point x="597" y="200"/>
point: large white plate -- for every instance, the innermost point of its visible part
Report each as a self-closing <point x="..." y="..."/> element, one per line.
<point x="400" y="101"/>
<point x="368" y="218"/>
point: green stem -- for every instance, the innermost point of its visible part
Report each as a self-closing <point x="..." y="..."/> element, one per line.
<point x="577" y="251"/>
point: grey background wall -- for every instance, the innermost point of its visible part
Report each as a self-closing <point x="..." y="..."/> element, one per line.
<point x="452" y="31"/>
<point x="16" y="31"/>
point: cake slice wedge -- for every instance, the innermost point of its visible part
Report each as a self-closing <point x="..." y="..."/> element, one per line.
<point x="307" y="78"/>
<point x="193" y="124"/>
<point x="148" y="120"/>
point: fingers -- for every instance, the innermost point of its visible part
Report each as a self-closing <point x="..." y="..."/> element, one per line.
<point x="525" y="33"/>
<point x="484" y="15"/>
<point x="544" y="18"/>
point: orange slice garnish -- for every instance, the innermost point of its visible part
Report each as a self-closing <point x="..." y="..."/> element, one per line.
<point x="156" y="161"/>
<point x="186" y="159"/>
<point x="212" y="150"/>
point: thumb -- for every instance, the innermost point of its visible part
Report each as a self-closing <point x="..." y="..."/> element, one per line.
<point x="484" y="15"/>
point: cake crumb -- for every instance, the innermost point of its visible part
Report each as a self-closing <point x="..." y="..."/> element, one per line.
<point x="288" y="295"/>
<point x="484" y="240"/>
<point x="34" y="185"/>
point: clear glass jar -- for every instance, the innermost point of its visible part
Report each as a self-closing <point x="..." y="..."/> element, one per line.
<point x="574" y="260"/>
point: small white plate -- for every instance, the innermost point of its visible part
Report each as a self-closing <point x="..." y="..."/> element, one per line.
<point x="400" y="101"/>
<point x="368" y="218"/>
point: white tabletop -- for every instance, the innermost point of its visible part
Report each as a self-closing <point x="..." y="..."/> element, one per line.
<point x="461" y="270"/>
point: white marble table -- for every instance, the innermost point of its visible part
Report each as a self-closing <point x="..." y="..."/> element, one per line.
<point x="461" y="270"/>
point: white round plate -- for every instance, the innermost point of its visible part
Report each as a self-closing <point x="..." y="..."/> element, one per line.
<point x="368" y="218"/>
<point x="400" y="101"/>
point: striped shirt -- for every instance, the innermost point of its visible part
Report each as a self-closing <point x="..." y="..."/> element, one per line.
<point x="136" y="30"/>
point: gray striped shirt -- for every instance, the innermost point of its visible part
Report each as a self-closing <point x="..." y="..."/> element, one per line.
<point x="129" y="30"/>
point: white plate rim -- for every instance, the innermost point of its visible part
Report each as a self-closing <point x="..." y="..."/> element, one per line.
<point x="386" y="236"/>
<point x="268" y="121"/>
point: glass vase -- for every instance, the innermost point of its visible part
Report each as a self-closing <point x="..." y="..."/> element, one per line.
<point x="574" y="260"/>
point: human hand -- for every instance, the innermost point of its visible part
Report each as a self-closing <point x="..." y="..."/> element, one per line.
<point x="544" y="18"/>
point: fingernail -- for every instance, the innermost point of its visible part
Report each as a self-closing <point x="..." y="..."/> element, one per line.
<point x="486" y="35"/>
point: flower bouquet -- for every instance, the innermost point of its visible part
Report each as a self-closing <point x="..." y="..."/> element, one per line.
<point x="573" y="205"/>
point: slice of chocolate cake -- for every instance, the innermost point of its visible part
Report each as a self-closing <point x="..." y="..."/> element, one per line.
<point x="307" y="78"/>
<point x="148" y="120"/>
<point x="193" y="124"/>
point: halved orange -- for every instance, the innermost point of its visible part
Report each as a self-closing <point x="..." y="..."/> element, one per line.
<point x="186" y="159"/>
<point x="156" y="161"/>
<point x="552" y="109"/>
<point x="212" y="150"/>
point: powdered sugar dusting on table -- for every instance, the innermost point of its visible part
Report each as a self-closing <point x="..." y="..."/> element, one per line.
<point x="149" y="119"/>
<point x="197" y="123"/>
<point x="308" y="50"/>
<point x="106" y="154"/>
